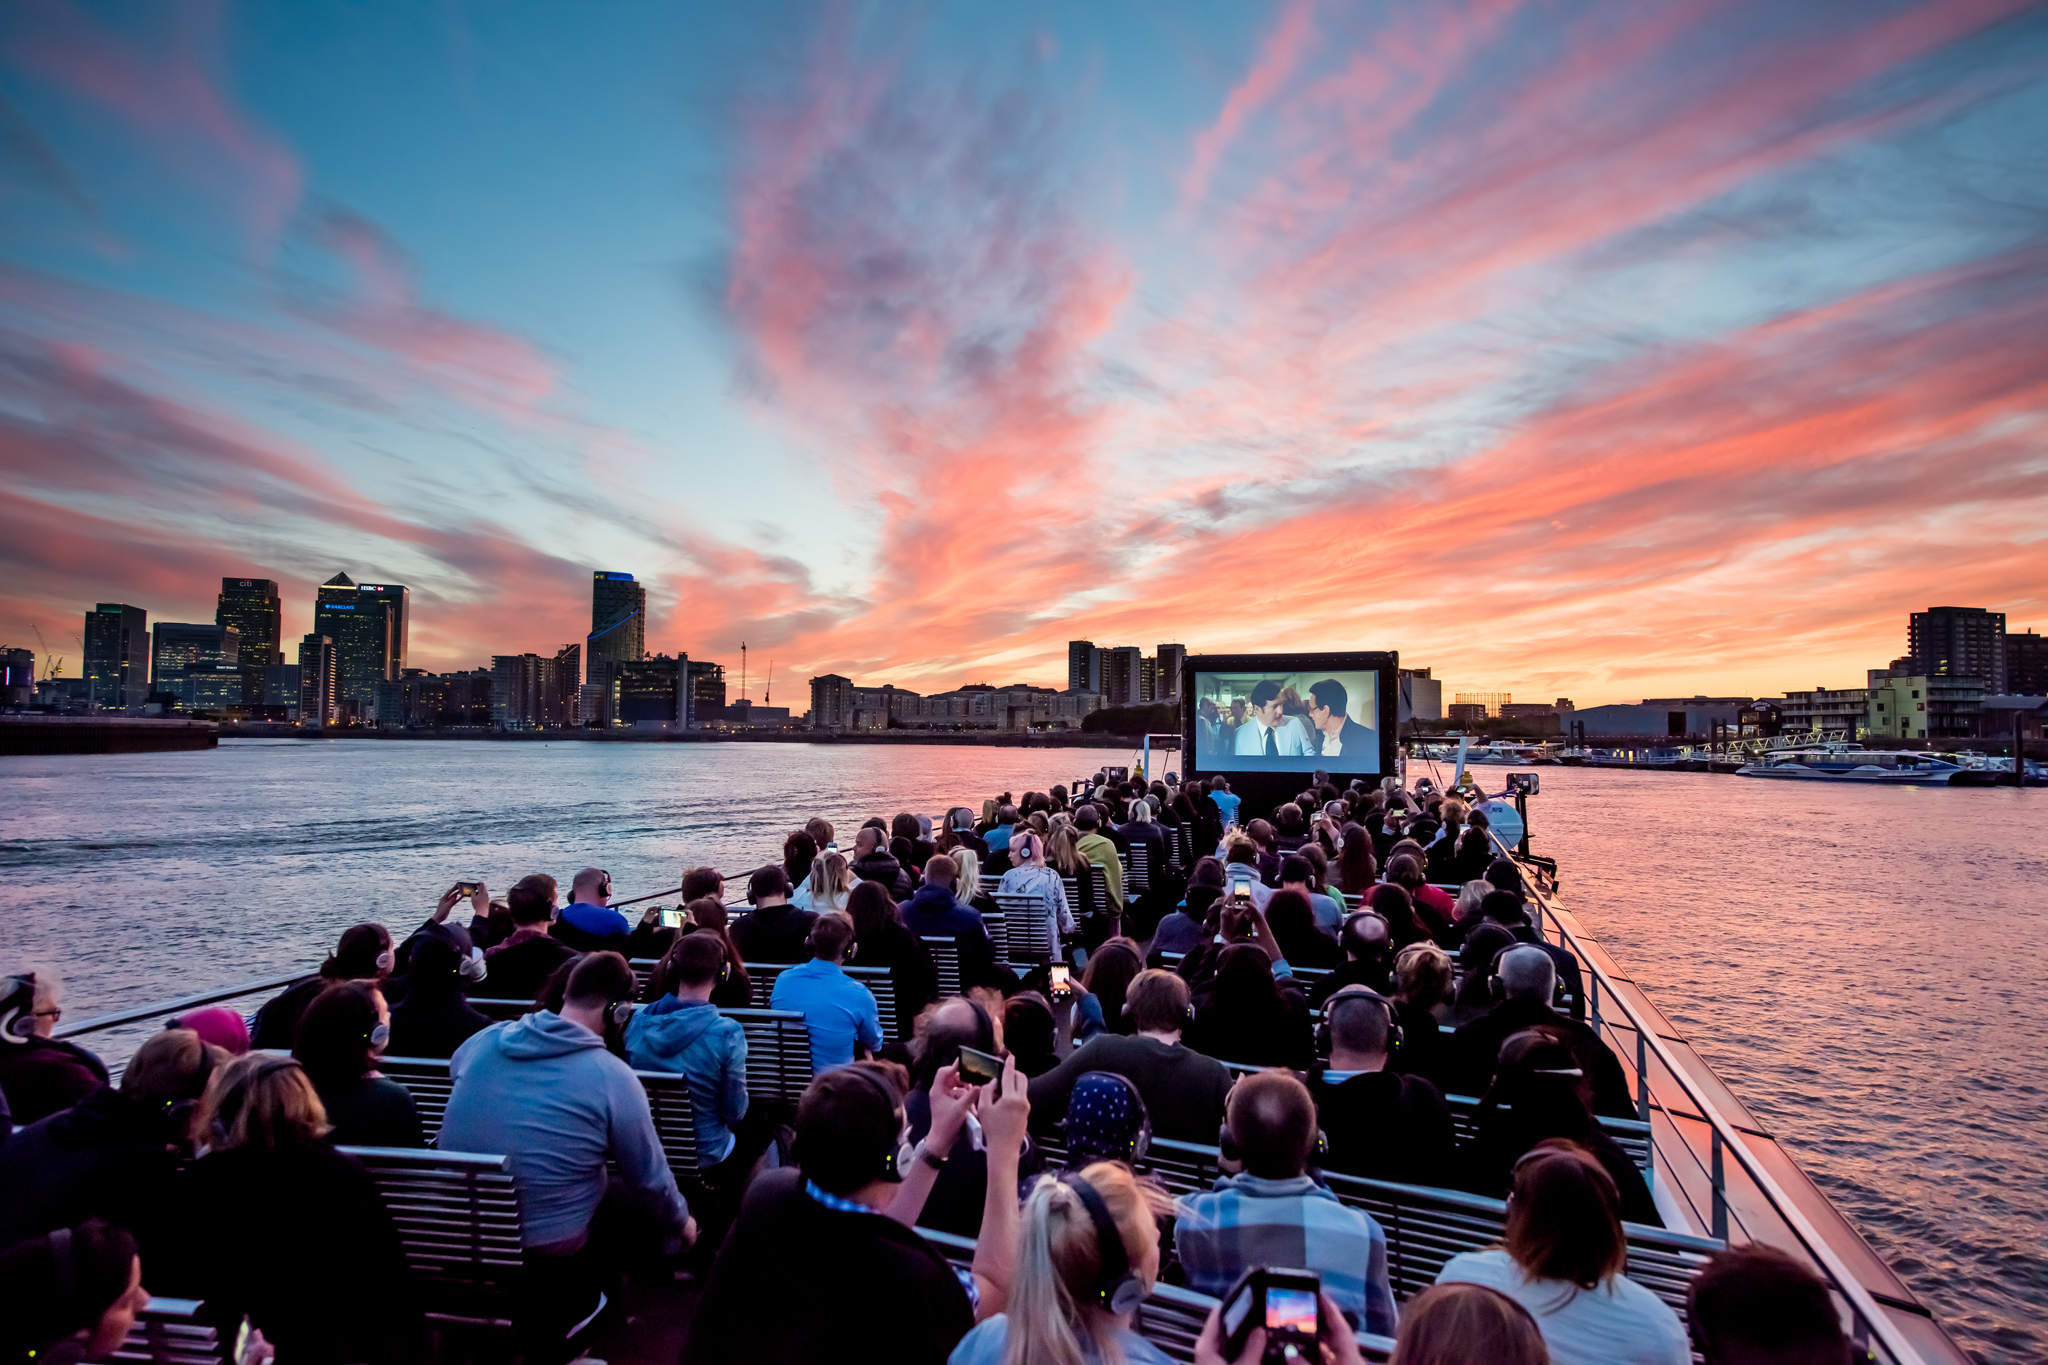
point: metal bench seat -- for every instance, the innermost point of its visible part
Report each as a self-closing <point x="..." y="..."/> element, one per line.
<point x="1631" y="1135"/>
<point x="169" y="1332"/>
<point x="883" y="988"/>
<point x="500" y="1011"/>
<point x="1028" y="936"/>
<point x="778" y="1053"/>
<point x="427" y="1080"/>
<point x="457" y="1215"/>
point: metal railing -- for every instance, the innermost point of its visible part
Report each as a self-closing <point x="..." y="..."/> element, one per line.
<point x="178" y="1006"/>
<point x="1870" y="1324"/>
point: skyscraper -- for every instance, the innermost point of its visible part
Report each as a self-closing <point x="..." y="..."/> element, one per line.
<point x="618" y="623"/>
<point x="251" y="606"/>
<point x="367" y="625"/>
<point x="1123" y="677"/>
<point x="2026" y="663"/>
<point x="316" y="680"/>
<point x="1084" y="666"/>
<point x="398" y="601"/>
<point x="117" y="655"/>
<point x="1171" y="657"/>
<point x="1962" y="642"/>
<point x="181" y="647"/>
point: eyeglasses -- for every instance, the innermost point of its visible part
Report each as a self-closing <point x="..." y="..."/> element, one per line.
<point x="56" y="1013"/>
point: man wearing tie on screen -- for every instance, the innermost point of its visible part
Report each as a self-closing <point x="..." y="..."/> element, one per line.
<point x="1268" y="732"/>
<point x="1327" y="704"/>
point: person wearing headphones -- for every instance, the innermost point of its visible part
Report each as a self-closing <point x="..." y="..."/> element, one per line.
<point x="1379" y="1123"/>
<point x="824" y="1265"/>
<point x="363" y="954"/>
<point x="1029" y="875"/>
<point x="115" y="1153"/>
<point x="1089" y="1256"/>
<point x="1275" y="1214"/>
<point x="1523" y="983"/>
<point x="588" y="923"/>
<point x="275" y="1223"/>
<point x="841" y="1014"/>
<point x="40" y="1075"/>
<point x="685" y="1033"/>
<point x="341" y="1038"/>
<point x="544" y="1091"/>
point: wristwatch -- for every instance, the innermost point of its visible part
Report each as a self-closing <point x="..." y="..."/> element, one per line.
<point x="930" y="1157"/>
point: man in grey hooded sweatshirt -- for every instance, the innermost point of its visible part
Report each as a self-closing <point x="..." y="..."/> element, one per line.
<point x="544" y="1091"/>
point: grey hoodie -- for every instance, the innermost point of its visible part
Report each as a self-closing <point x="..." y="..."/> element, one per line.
<point x="544" y="1091"/>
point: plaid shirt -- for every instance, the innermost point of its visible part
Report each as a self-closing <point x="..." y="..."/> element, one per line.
<point x="1246" y="1221"/>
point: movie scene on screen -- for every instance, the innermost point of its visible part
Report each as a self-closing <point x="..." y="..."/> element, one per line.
<point x="1287" y="722"/>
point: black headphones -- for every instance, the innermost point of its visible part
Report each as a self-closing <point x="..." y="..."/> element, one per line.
<point x="1117" y="1286"/>
<point x="896" y="1161"/>
<point x="1324" y="1031"/>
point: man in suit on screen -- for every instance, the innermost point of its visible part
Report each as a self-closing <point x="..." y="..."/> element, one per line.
<point x="1269" y="732"/>
<point x="1340" y="735"/>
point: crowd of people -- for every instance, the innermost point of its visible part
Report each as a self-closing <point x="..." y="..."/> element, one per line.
<point x="1302" y="999"/>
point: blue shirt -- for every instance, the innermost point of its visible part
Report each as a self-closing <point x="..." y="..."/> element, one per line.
<point x="838" y="1011"/>
<point x="1247" y="1221"/>
<point x="1227" y="802"/>
<point x="998" y="839"/>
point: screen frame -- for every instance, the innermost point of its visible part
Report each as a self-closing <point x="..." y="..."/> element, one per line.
<point x="1262" y="791"/>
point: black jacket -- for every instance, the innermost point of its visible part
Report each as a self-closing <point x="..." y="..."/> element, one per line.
<point x="371" y="1111"/>
<point x="104" y="1157"/>
<point x="1260" y="1033"/>
<point x="1371" y="974"/>
<point x="434" y="1021"/>
<point x="1386" y="1126"/>
<point x="1476" y="1047"/>
<point x="1488" y="1164"/>
<point x="517" y="971"/>
<point x="797" y="1282"/>
<point x="773" y="933"/>
<point x="911" y="973"/>
<point x="882" y="867"/>
<point x="1183" y="1090"/>
<point x="298" y="1239"/>
<point x="277" y="1021"/>
<point x="933" y="913"/>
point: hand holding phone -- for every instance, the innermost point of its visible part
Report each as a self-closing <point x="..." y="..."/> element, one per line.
<point x="1062" y="981"/>
<point x="1286" y="1305"/>
<point x="978" y="1067"/>
<point x="674" y="919"/>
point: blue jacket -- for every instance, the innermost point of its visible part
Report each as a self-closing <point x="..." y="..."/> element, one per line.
<point x="933" y="913"/>
<point x="709" y="1051"/>
<point x="544" y="1091"/>
<point x="592" y="928"/>
<point x="999" y="838"/>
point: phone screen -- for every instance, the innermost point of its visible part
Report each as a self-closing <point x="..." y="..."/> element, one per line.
<point x="672" y="919"/>
<point x="1062" y="984"/>
<point x="978" y="1067"/>
<point x="1241" y="888"/>
<point x="1291" y="1310"/>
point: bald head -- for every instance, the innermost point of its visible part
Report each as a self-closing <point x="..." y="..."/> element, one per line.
<point x="1527" y="973"/>
<point x="866" y="841"/>
<point x="1366" y="936"/>
<point x="591" y="887"/>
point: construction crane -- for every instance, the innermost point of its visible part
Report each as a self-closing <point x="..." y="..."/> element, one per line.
<point x="50" y="669"/>
<point x="768" y="692"/>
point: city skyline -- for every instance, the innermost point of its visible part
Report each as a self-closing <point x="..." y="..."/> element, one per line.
<point x="1606" y="352"/>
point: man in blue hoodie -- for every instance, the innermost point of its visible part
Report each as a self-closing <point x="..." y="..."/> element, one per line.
<point x="686" y="1034"/>
<point x="544" y="1091"/>
<point x="587" y="924"/>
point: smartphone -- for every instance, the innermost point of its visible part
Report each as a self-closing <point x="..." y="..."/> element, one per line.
<point x="1287" y="1303"/>
<point x="1240" y="887"/>
<point x="674" y="919"/>
<point x="1062" y="983"/>
<point x="978" y="1067"/>
<point x="467" y="889"/>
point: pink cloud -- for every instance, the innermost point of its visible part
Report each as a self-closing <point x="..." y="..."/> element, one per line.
<point x="1278" y="58"/>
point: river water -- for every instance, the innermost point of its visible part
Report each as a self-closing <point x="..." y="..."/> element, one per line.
<point x="1864" y="967"/>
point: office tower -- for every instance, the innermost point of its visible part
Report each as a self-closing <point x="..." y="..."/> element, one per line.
<point x="2026" y="664"/>
<point x="318" y="680"/>
<point x="1171" y="657"/>
<point x="1084" y="666"/>
<point x="1148" y="680"/>
<point x="1963" y="642"/>
<point x="17" y="677"/>
<point x="618" y="623"/>
<point x="117" y="656"/>
<point x="397" y="599"/>
<point x="1122" y="676"/>
<point x="251" y="606"/>
<point x="367" y="624"/>
<point x="832" y="702"/>
<point x="281" y="688"/>
<point x="652" y="691"/>
<point x="181" y="647"/>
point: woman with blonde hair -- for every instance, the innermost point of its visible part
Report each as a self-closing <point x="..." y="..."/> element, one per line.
<point x="270" y="1180"/>
<point x="830" y="883"/>
<point x="1088" y="1254"/>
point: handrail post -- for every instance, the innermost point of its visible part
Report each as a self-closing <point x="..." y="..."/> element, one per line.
<point x="1720" y="1191"/>
<point x="1643" y="1075"/>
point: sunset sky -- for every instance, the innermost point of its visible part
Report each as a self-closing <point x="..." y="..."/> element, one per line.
<point x="1594" y="350"/>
